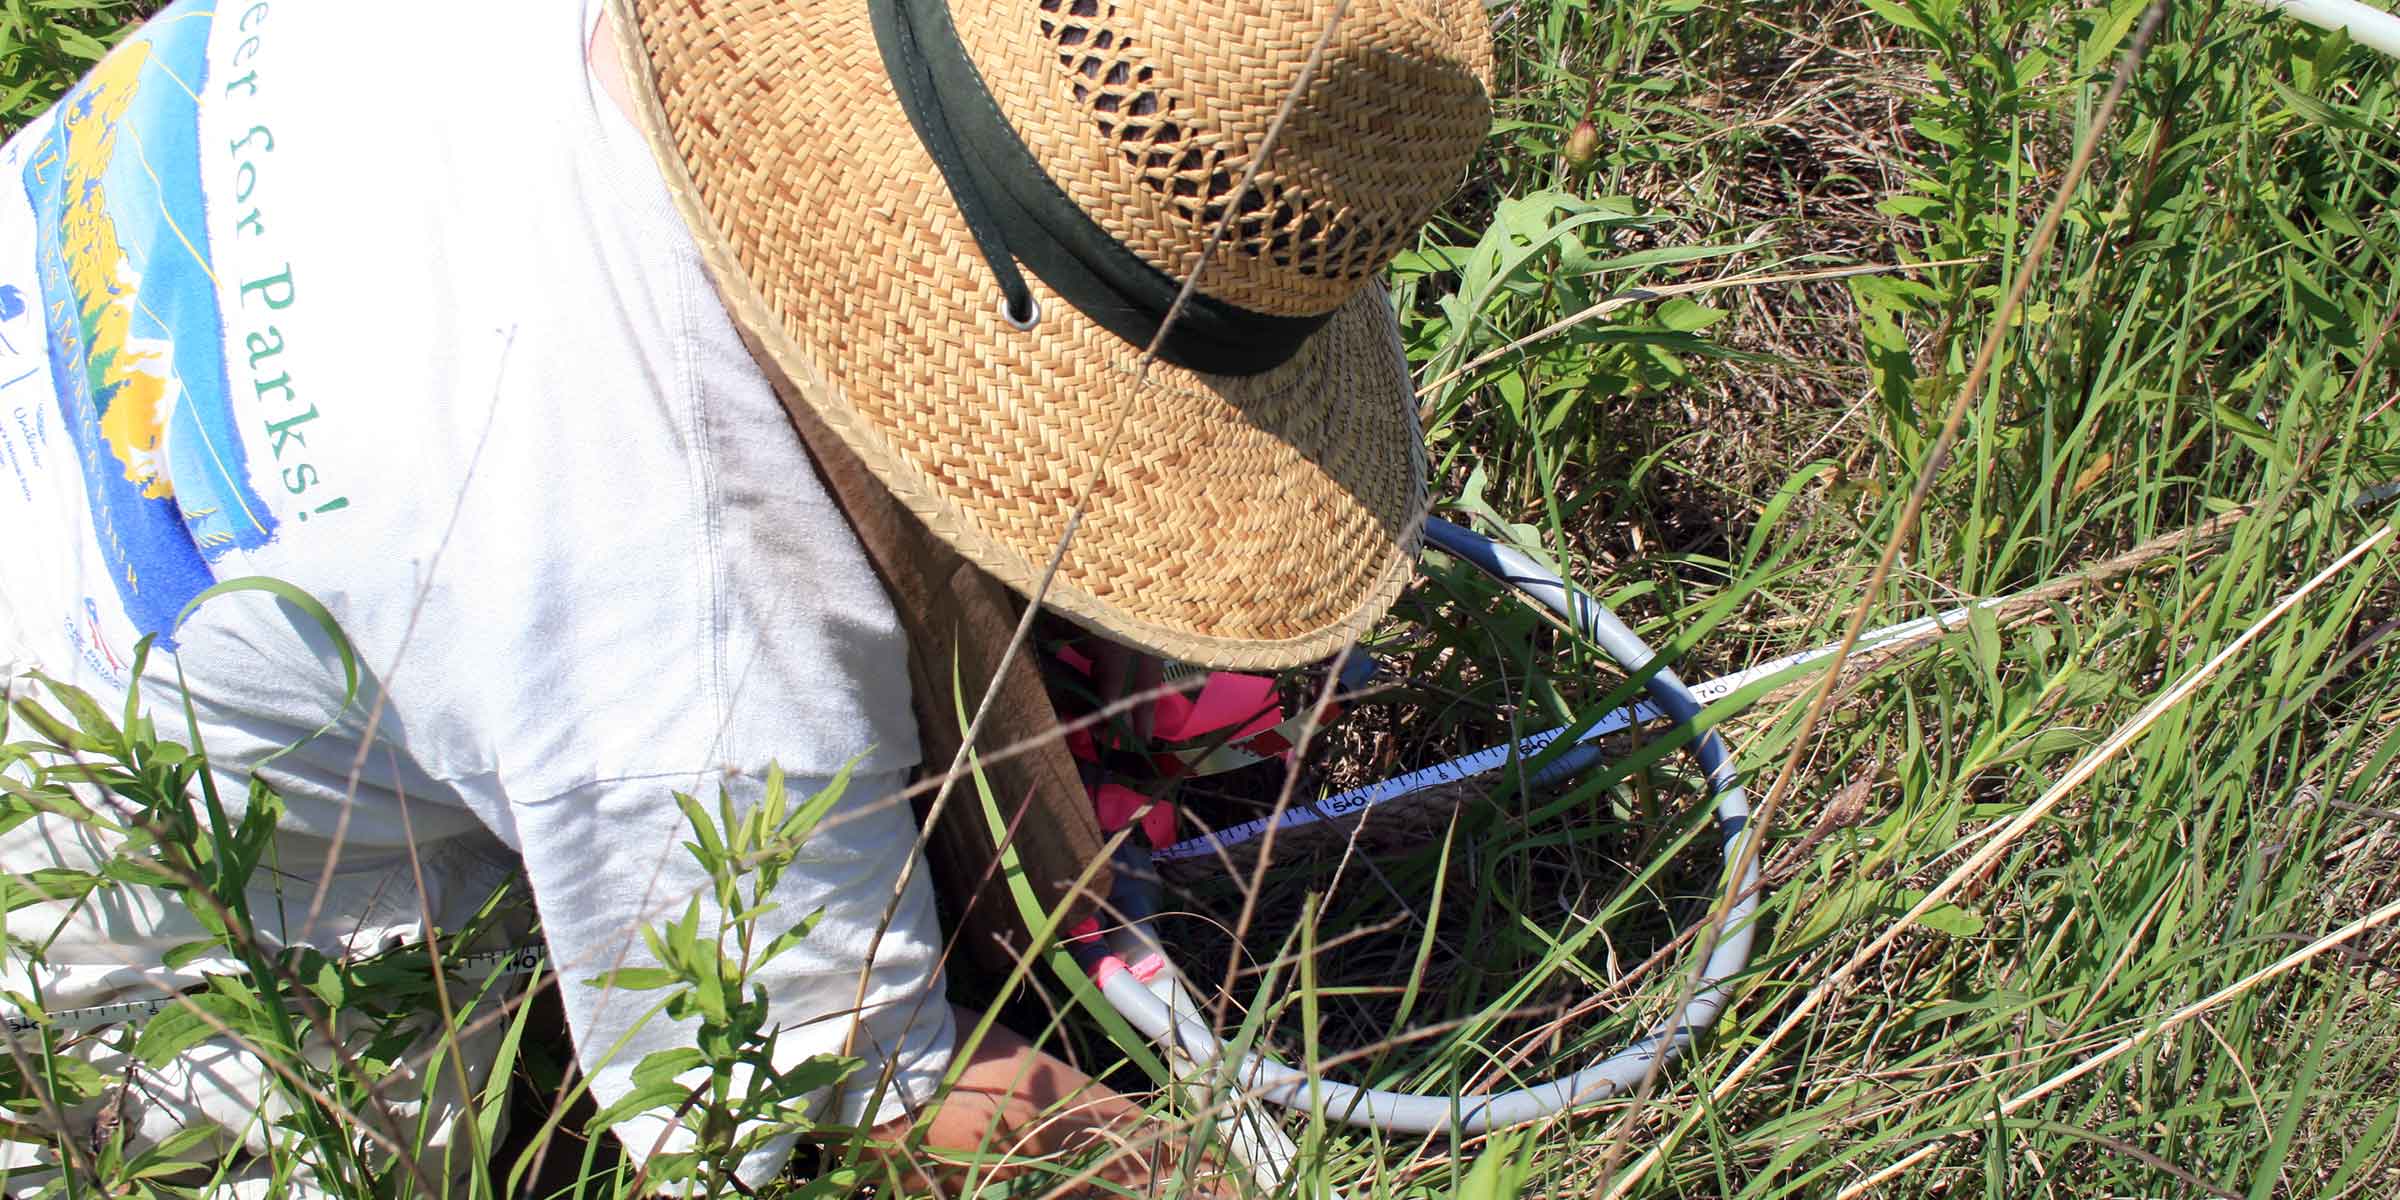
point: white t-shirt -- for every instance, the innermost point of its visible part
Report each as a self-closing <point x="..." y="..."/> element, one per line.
<point x="392" y="306"/>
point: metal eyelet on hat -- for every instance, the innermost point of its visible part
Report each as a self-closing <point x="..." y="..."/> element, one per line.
<point x="879" y="262"/>
<point x="1033" y="313"/>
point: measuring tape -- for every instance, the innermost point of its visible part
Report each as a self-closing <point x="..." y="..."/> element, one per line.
<point x="480" y="966"/>
<point x="1334" y="810"/>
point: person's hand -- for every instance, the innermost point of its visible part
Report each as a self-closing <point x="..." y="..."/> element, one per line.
<point x="1052" y="1123"/>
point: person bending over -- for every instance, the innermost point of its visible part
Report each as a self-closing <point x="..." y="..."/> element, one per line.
<point x="656" y="392"/>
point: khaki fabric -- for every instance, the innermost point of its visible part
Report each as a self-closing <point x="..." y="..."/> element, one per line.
<point x="959" y="617"/>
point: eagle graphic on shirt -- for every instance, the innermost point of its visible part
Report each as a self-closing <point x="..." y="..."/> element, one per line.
<point x="136" y="335"/>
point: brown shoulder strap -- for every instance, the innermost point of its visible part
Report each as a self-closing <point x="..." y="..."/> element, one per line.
<point x="956" y="616"/>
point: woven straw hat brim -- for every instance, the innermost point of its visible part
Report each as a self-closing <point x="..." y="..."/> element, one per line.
<point x="1254" y="522"/>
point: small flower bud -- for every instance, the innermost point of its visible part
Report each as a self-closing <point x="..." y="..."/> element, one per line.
<point x="1583" y="145"/>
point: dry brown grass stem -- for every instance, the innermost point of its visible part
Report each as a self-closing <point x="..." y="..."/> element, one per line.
<point x="1397" y="821"/>
<point x="1663" y="291"/>
<point x="1762" y="820"/>
<point x="2232" y="991"/>
<point x="2029" y="605"/>
<point x="950" y="778"/>
<point x="195" y="891"/>
<point x="1309" y="67"/>
<point x="1016" y="645"/>
<point x="1997" y="841"/>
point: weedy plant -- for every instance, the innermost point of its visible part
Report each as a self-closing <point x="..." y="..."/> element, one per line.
<point x="327" y="1032"/>
<point x="343" y="1050"/>
<point x="45" y="45"/>
<point x="730" y="1077"/>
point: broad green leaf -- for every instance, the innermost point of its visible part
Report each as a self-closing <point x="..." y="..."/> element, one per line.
<point x="2109" y="28"/>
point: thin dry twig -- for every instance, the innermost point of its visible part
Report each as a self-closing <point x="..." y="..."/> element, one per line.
<point x="2217" y="999"/>
<point x="2008" y="834"/>
<point x="1762" y="820"/>
<point x="1643" y="295"/>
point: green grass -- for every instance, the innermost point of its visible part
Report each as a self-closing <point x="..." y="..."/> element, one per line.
<point x="2210" y="340"/>
<point x="46" y="44"/>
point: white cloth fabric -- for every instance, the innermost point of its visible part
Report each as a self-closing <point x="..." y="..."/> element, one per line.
<point x="394" y="308"/>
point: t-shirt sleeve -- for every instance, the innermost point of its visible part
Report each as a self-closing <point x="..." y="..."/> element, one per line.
<point x="607" y="859"/>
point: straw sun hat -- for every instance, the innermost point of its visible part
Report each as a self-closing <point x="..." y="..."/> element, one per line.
<point x="955" y="231"/>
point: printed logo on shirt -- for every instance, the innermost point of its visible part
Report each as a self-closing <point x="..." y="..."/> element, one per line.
<point x="20" y="390"/>
<point x="136" y="338"/>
